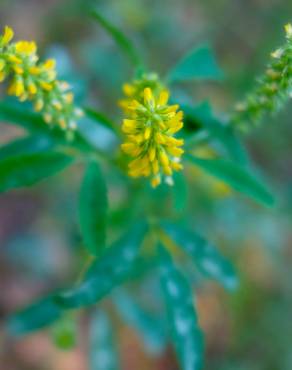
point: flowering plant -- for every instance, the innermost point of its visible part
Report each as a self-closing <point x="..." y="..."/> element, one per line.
<point x="160" y="134"/>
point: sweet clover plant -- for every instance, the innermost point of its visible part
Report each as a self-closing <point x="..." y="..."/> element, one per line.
<point x="153" y="149"/>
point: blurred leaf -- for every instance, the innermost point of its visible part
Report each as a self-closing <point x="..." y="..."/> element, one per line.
<point x="101" y="119"/>
<point x="207" y="258"/>
<point x="27" y="170"/>
<point x="103" y="353"/>
<point x="185" y="333"/>
<point x="27" y="145"/>
<point x="93" y="205"/>
<point x="124" y="43"/>
<point x="64" y="332"/>
<point x="12" y="112"/>
<point x="199" y="64"/>
<point x="98" y="135"/>
<point x="213" y="129"/>
<point x="180" y="192"/>
<point x="150" y="327"/>
<point x="34" y="317"/>
<point x="108" y="271"/>
<point x="235" y="176"/>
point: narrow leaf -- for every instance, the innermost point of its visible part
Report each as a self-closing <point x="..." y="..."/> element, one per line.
<point x="27" y="170"/>
<point x="185" y="333"/>
<point x="212" y="129"/>
<point x="199" y="64"/>
<point x="235" y="176"/>
<point x="11" y="112"/>
<point x="93" y="205"/>
<point x="109" y="271"/>
<point x="103" y="352"/>
<point x="26" y="145"/>
<point x="122" y="41"/>
<point x="150" y="327"/>
<point x="206" y="257"/>
<point x="18" y="113"/>
<point x="35" y="317"/>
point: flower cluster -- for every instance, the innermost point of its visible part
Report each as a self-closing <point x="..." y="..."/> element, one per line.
<point x="273" y="88"/>
<point x="37" y="82"/>
<point x="135" y="90"/>
<point x="150" y="129"/>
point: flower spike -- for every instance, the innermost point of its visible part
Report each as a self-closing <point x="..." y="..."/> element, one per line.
<point x="36" y="82"/>
<point x="149" y="131"/>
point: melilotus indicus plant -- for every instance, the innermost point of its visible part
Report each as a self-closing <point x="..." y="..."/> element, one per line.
<point x="158" y="141"/>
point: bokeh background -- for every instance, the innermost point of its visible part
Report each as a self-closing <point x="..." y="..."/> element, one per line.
<point x="40" y="245"/>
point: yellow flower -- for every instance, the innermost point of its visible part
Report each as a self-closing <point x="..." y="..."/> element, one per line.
<point x="26" y="47"/>
<point x="7" y="36"/>
<point x="36" y="82"/>
<point x="135" y="90"/>
<point x="149" y="131"/>
<point x="288" y="30"/>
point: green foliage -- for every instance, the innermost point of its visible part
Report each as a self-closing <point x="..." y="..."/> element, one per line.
<point x="34" y="317"/>
<point x="14" y="113"/>
<point x="122" y="41"/>
<point x="199" y="64"/>
<point x="29" y="169"/>
<point x="235" y="176"/>
<point x="206" y="257"/>
<point x="150" y="327"/>
<point x="28" y="145"/>
<point x="93" y="209"/>
<point x="180" y="192"/>
<point x="185" y="334"/>
<point x="103" y="353"/>
<point x="102" y="119"/>
<point x="110" y="270"/>
<point x="213" y="129"/>
<point x="45" y="151"/>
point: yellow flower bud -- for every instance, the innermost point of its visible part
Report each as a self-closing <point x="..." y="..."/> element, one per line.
<point x="8" y="35"/>
<point x="2" y="76"/>
<point x="38" y="106"/>
<point x="32" y="88"/>
<point x="155" y="181"/>
<point x="288" y="30"/>
<point x="2" y="64"/>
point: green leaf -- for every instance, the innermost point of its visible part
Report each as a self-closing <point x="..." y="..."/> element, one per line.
<point x="18" y="113"/>
<point x="101" y="119"/>
<point x="150" y="327"/>
<point x="27" y="170"/>
<point x="108" y="271"/>
<point x="235" y="176"/>
<point x="93" y="205"/>
<point x="180" y="192"/>
<point x="212" y="129"/>
<point x="122" y="41"/>
<point x="199" y="64"/>
<point x="95" y="132"/>
<point x="103" y="352"/>
<point x="34" y="317"/>
<point x="206" y="257"/>
<point x="185" y="333"/>
<point x="64" y="332"/>
<point x="27" y="145"/>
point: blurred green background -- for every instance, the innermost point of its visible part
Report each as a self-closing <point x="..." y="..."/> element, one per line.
<point x="40" y="245"/>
